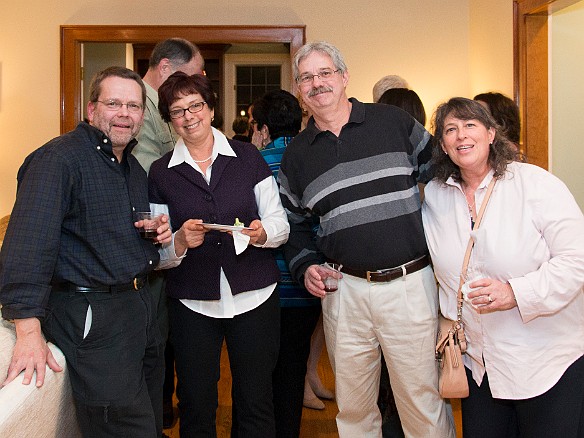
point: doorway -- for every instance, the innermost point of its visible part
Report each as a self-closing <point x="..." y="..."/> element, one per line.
<point x="73" y="38"/>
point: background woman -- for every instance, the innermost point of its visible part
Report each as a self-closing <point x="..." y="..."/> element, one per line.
<point x="225" y="285"/>
<point x="406" y="99"/>
<point x="525" y="321"/>
<point x="505" y="112"/>
<point x="279" y="118"/>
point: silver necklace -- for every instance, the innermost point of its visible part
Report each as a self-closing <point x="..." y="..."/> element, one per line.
<point x="470" y="206"/>
<point x="202" y="161"/>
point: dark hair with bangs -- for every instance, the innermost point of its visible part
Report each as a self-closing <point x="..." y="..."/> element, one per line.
<point x="501" y="151"/>
<point x="406" y="99"/>
<point x="180" y="84"/>
<point x="280" y="111"/>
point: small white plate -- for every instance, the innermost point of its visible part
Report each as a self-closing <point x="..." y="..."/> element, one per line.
<point x="220" y="227"/>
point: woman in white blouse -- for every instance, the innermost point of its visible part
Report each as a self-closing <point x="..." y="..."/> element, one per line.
<point x="524" y="320"/>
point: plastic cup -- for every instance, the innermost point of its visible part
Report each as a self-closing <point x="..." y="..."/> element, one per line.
<point x="150" y="223"/>
<point x="473" y="273"/>
<point x="331" y="282"/>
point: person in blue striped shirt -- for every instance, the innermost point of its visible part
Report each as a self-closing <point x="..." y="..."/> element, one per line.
<point x="279" y="117"/>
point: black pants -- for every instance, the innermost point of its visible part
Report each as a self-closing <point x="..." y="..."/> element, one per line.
<point x="157" y="283"/>
<point x="554" y="414"/>
<point x="252" y="342"/>
<point x="296" y="327"/>
<point x="114" y="367"/>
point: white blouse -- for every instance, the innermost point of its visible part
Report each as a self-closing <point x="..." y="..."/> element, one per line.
<point x="532" y="236"/>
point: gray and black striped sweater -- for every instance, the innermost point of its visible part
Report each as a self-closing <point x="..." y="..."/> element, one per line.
<point x="362" y="186"/>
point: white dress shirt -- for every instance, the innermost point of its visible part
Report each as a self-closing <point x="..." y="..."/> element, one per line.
<point x="532" y="236"/>
<point x="272" y="216"/>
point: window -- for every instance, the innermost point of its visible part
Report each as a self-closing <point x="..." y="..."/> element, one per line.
<point x="249" y="76"/>
<point x="252" y="82"/>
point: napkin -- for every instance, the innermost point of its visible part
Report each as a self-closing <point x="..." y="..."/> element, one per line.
<point x="240" y="241"/>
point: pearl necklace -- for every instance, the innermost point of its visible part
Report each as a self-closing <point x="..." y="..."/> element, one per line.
<point x="202" y="161"/>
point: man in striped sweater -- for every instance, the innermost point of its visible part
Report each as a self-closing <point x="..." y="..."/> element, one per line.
<point x="356" y="167"/>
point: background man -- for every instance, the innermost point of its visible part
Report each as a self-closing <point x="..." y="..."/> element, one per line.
<point x="155" y="139"/>
<point x="240" y="127"/>
<point x="356" y="167"/>
<point x="73" y="260"/>
<point x="387" y="83"/>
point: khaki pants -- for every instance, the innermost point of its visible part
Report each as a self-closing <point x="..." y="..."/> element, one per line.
<point x="400" y="317"/>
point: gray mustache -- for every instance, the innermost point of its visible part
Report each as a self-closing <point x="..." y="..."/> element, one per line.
<point x="319" y="90"/>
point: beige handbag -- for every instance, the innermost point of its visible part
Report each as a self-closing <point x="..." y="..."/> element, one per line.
<point x="451" y="341"/>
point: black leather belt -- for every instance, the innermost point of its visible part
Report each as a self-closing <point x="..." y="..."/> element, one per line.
<point x="383" y="275"/>
<point x="136" y="284"/>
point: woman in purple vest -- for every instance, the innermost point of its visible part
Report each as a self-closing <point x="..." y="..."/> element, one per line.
<point x="222" y="284"/>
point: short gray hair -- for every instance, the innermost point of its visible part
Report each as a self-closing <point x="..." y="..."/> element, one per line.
<point x="322" y="47"/>
<point x="387" y="83"/>
<point x="177" y="50"/>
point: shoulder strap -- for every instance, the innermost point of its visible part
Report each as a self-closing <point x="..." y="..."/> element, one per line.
<point x="471" y="244"/>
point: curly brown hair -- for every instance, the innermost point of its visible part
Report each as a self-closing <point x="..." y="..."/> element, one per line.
<point x="501" y="152"/>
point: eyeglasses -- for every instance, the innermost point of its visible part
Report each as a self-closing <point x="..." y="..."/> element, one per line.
<point x="180" y="112"/>
<point x="115" y="105"/>
<point x="325" y="75"/>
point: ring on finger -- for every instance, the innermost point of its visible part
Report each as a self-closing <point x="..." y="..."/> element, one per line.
<point x="489" y="298"/>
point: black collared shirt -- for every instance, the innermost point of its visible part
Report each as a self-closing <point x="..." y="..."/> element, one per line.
<point x="73" y="221"/>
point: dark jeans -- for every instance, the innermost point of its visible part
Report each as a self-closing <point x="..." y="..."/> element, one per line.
<point x="112" y="369"/>
<point x="296" y="327"/>
<point x="555" y="413"/>
<point x="252" y="342"/>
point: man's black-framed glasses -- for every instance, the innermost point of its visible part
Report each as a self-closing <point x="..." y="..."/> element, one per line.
<point x="324" y="75"/>
<point x="115" y="105"/>
<point x="180" y="112"/>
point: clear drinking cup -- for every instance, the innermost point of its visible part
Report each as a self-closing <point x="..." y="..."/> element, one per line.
<point x="150" y="223"/>
<point x="331" y="282"/>
<point x="475" y="272"/>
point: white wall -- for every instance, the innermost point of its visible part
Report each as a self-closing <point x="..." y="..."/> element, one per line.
<point x="96" y="57"/>
<point x="491" y="53"/>
<point x="567" y="98"/>
<point x="457" y="47"/>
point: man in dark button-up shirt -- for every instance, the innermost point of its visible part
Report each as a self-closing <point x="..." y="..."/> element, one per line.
<point x="73" y="259"/>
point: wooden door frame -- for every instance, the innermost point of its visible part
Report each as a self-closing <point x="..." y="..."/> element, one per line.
<point x="73" y="36"/>
<point x="530" y="72"/>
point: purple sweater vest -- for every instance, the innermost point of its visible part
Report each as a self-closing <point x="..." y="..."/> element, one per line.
<point x="229" y="195"/>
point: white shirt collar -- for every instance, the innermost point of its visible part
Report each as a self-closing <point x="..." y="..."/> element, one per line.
<point x="484" y="183"/>
<point x="181" y="154"/>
